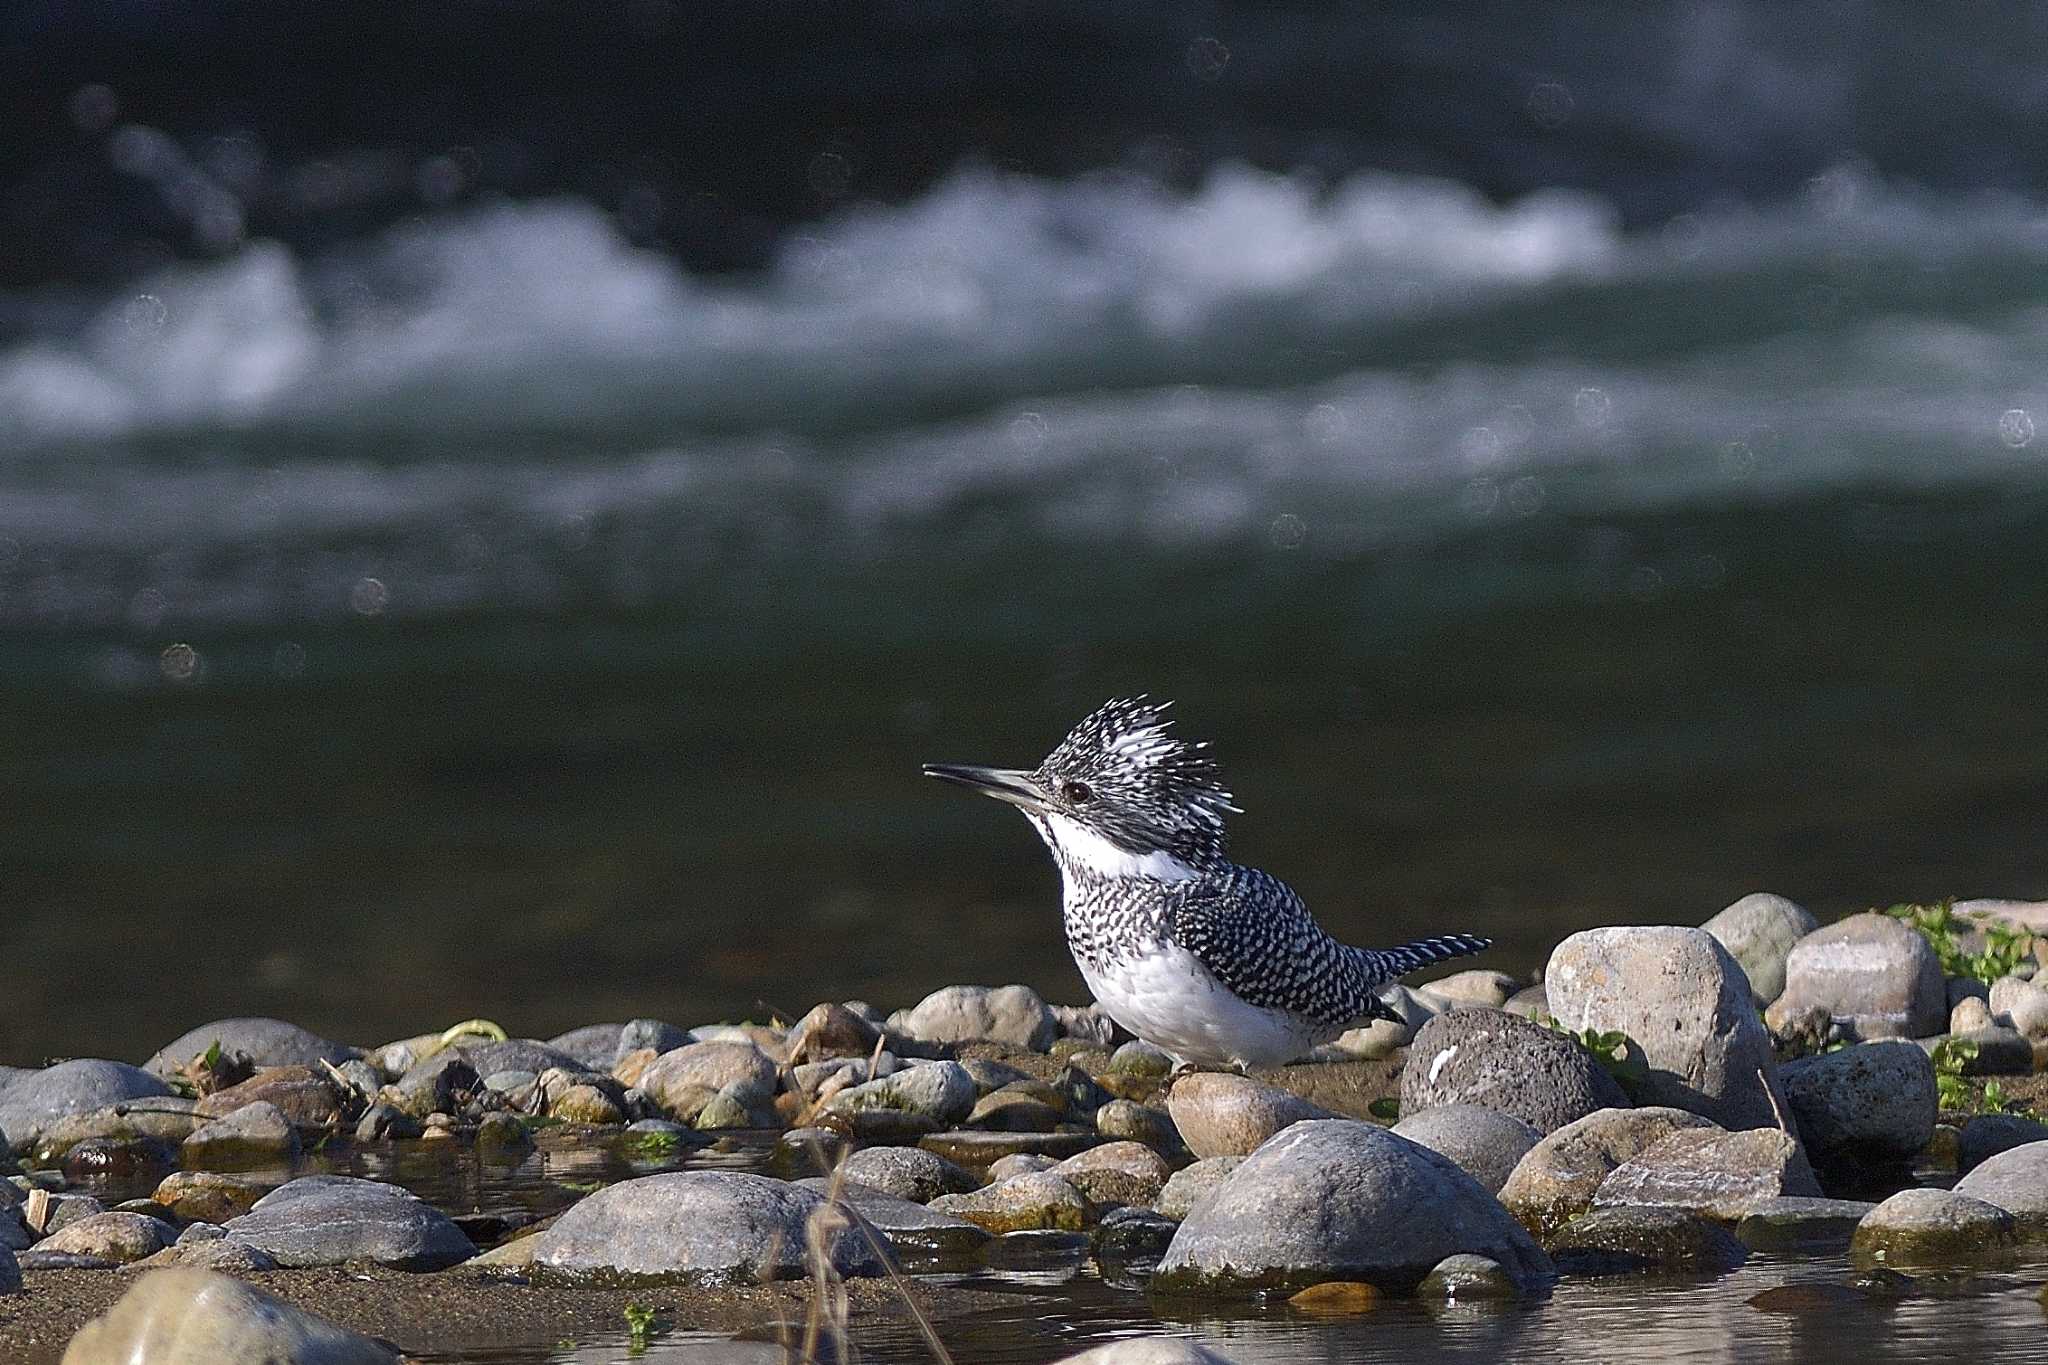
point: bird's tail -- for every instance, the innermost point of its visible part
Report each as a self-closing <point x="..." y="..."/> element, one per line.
<point x="1390" y="963"/>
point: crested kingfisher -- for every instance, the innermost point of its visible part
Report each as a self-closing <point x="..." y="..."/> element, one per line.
<point x="1217" y="964"/>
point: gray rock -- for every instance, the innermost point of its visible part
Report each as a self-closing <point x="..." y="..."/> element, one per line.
<point x="1987" y="1135"/>
<point x="117" y="1237"/>
<point x="1148" y="1351"/>
<point x="14" y="1233"/>
<point x="1873" y="975"/>
<point x="1531" y="1002"/>
<point x="1087" y="1024"/>
<point x="1339" y="1199"/>
<point x="989" y="1075"/>
<point x="2020" y="1005"/>
<point x="658" y="1034"/>
<point x="1126" y="1119"/>
<point x="224" y="1254"/>
<point x="979" y="1150"/>
<point x="1140" y="1058"/>
<point x="1023" y="1203"/>
<point x="1556" y="1181"/>
<point x="1464" y="1278"/>
<point x="35" y="1100"/>
<point x="1679" y="995"/>
<point x="1504" y="1063"/>
<point x="907" y="1173"/>
<point x="207" y="1197"/>
<point x="942" y="1092"/>
<point x="904" y="1224"/>
<point x="437" y="1085"/>
<point x="330" y="1219"/>
<point x="168" y="1119"/>
<point x="1190" y="1185"/>
<point x="1128" y="1234"/>
<point x="1116" y="1174"/>
<point x="1922" y="1225"/>
<point x="1485" y="1143"/>
<point x="1218" y="1114"/>
<point x="255" y="1135"/>
<point x="1367" y="1042"/>
<point x="678" y="1076"/>
<point x="1798" y="1223"/>
<point x="2016" y="1180"/>
<point x="961" y="1014"/>
<point x="594" y="1046"/>
<point x="712" y="1227"/>
<point x="10" y="1271"/>
<point x="1969" y="1014"/>
<point x="66" y="1209"/>
<point x="1759" y="931"/>
<point x="189" y="1316"/>
<point x="1473" y="986"/>
<point x="1018" y="1163"/>
<point x="517" y="1054"/>
<point x="1622" y="1240"/>
<point x="1722" y="1175"/>
<point x="266" y="1042"/>
<point x="381" y="1122"/>
<point x="1874" y="1103"/>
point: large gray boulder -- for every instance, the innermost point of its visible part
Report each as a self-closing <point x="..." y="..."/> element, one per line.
<point x="1556" y="1180"/>
<point x="1937" y="1226"/>
<point x="331" y="1219"/>
<point x="2017" y="1181"/>
<point x="1759" y="931"/>
<point x="710" y="1227"/>
<point x="1873" y="974"/>
<point x="1333" y="1199"/>
<point x="1485" y="1143"/>
<point x="1723" y="1175"/>
<point x="187" y="1316"/>
<point x="35" y="1100"/>
<point x="266" y="1042"/>
<point x="1874" y="1103"/>
<point x="1505" y="1063"/>
<point x="1679" y="995"/>
<point x="1625" y="1240"/>
<point x="960" y="1014"/>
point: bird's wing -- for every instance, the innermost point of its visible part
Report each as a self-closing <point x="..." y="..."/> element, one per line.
<point x="1256" y="937"/>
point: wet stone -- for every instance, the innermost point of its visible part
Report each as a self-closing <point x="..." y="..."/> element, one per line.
<point x="166" y="1118"/>
<point x="126" y="1160"/>
<point x="208" y="1196"/>
<point x="440" y="1084"/>
<point x="1339" y="1199"/>
<point x="905" y="1224"/>
<point x="1627" y="1240"/>
<point x="1466" y="1277"/>
<point x="255" y="1134"/>
<point x="1934" y="1226"/>
<point x="330" y="1219"/>
<point x="1795" y="1223"/>
<point x="1128" y="1235"/>
<point x="715" y="1227"/>
<point x="979" y="1150"/>
<point x="1040" y="1200"/>
<point x="1126" y="1120"/>
<point x="382" y="1122"/>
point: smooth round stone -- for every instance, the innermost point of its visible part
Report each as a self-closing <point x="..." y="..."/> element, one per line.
<point x="1938" y="1226"/>
<point x="1474" y="986"/>
<point x="1040" y="1200"/>
<point x="1130" y="1121"/>
<point x="1021" y="1163"/>
<point x="1760" y="931"/>
<point x="116" y="1237"/>
<point x="906" y="1225"/>
<point x="1016" y="1015"/>
<point x="2015" y="1180"/>
<point x="1870" y="969"/>
<point x="907" y="1173"/>
<point x="308" y="1098"/>
<point x="1705" y="1170"/>
<point x="989" y="1075"/>
<point x="1219" y="1114"/>
<point x="208" y="1196"/>
<point x="1339" y="1199"/>
<point x="256" y="1134"/>
<point x="831" y="1030"/>
<point x="713" y="1227"/>
<point x="1487" y="1144"/>
<point x="1611" y="1241"/>
<point x="34" y="1100"/>
<point x="329" y="1219"/>
<point x="940" y="1092"/>
<point x="594" y="1046"/>
<point x="1149" y="1351"/>
<point x="1500" y="1062"/>
<point x="1140" y="1058"/>
<point x="189" y="1316"/>
<point x="1007" y="1111"/>
<point x="265" y="1042"/>
<point x="1466" y="1277"/>
<point x="166" y="1118"/>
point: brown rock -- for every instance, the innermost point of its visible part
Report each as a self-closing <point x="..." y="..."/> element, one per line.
<point x="1224" y="1115"/>
<point x="208" y="1196"/>
<point x="630" y="1068"/>
<point x="1555" y="1180"/>
<point x="831" y="1030"/>
<point x="308" y="1098"/>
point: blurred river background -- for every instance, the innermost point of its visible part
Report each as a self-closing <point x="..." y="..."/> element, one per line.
<point x="496" y="503"/>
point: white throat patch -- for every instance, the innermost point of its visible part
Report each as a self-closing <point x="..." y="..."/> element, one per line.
<point x="1083" y="847"/>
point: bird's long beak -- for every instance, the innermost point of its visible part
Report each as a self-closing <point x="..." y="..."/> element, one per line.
<point x="1004" y="784"/>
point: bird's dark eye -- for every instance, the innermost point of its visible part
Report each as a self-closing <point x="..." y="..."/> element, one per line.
<point x="1077" y="793"/>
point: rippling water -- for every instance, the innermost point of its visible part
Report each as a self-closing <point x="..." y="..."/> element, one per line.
<point x="490" y="616"/>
